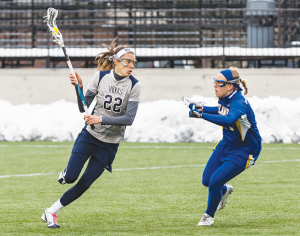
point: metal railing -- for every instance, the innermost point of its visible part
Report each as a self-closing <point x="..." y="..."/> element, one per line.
<point x="149" y="28"/>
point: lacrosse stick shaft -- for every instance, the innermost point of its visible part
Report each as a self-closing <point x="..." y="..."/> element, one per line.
<point x="87" y="112"/>
<point x="57" y="38"/>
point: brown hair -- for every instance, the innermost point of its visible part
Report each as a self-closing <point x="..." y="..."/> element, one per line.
<point x="105" y="59"/>
<point x="235" y="73"/>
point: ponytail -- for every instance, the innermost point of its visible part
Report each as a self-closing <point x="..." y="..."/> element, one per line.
<point x="245" y="86"/>
<point x="235" y="73"/>
<point x="105" y="59"/>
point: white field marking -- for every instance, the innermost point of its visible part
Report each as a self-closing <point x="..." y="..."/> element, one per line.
<point x="25" y="175"/>
<point x="36" y="146"/>
<point x="279" y="161"/>
<point x="166" y="147"/>
<point x="58" y="146"/>
<point x="212" y="147"/>
<point x="146" y="168"/>
<point x="157" y="167"/>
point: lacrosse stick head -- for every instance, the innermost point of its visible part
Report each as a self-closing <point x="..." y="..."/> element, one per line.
<point x="188" y="101"/>
<point x="51" y="23"/>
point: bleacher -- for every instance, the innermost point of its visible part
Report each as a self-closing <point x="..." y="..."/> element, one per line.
<point x="140" y="24"/>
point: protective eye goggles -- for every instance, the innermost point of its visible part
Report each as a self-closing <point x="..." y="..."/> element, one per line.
<point x="127" y="61"/>
<point x="222" y="83"/>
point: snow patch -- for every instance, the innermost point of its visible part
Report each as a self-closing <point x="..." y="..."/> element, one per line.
<point x="159" y="121"/>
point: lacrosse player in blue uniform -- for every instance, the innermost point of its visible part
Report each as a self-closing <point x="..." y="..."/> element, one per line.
<point x="241" y="143"/>
<point x="117" y="94"/>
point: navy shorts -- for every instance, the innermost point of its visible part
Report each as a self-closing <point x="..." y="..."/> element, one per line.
<point x="87" y="144"/>
<point x="225" y="152"/>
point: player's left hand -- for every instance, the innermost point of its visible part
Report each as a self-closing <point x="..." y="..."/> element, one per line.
<point x="195" y="113"/>
<point x="91" y="119"/>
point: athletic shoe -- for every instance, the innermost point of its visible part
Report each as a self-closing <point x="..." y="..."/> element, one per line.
<point x="224" y="198"/>
<point x="50" y="219"/>
<point x="206" y="220"/>
<point x="61" y="177"/>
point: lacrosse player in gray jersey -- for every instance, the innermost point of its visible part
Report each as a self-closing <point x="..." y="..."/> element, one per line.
<point x="117" y="94"/>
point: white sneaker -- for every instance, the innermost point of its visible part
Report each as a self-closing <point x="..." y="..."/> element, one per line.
<point x="224" y="198"/>
<point x="61" y="177"/>
<point x="206" y="220"/>
<point x="50" y="219"/>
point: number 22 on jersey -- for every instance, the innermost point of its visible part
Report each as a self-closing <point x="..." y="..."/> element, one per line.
<point x="112" y="104"/>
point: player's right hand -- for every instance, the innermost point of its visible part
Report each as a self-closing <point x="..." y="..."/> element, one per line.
<point x="193" y="106"/>
<point x="194" y="113"/>
<point x="73" y="81"/>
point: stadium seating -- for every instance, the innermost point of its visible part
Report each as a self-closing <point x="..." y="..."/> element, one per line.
<point x="142" y="24"/>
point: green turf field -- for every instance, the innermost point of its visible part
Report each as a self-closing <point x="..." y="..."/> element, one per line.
<point x="137" y="199"/>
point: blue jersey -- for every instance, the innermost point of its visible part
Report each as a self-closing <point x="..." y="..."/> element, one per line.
<point x="236" y="116"/>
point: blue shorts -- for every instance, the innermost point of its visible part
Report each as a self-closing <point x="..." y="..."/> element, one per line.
<point x="87" y="144"/>
<point x="225" y="152"/>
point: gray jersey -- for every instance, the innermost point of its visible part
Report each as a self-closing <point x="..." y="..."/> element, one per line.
<point x="112" y="97"/>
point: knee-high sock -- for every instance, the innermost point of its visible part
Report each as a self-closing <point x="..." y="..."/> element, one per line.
<point x="227" y="171"/>
<point x="93" y="171"/>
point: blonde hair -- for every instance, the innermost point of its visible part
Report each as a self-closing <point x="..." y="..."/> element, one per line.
<point x="236" y="74"/>
<point x="105" y="59"/>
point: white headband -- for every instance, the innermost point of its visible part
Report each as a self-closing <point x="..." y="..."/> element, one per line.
<point x="122" y="52"/>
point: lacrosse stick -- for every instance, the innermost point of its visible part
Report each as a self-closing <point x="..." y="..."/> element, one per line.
<point x="195" y="106"/>
<point x="187" y="102"/>
<point x="57" y="38"/>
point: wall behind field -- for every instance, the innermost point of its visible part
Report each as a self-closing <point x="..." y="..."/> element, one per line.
<point x="44" y="86"/>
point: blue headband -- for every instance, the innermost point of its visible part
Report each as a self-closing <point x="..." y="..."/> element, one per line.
<point x="228" y="75"/>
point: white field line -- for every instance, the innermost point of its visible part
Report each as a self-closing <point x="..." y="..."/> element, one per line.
<point x="136" y="147"/>
<point x="26" y="175"/>
<point x="36" y="146"/>
<point x="146" y="168"/>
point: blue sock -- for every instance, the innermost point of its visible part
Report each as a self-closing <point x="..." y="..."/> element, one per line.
<point x="224" y="189"/>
